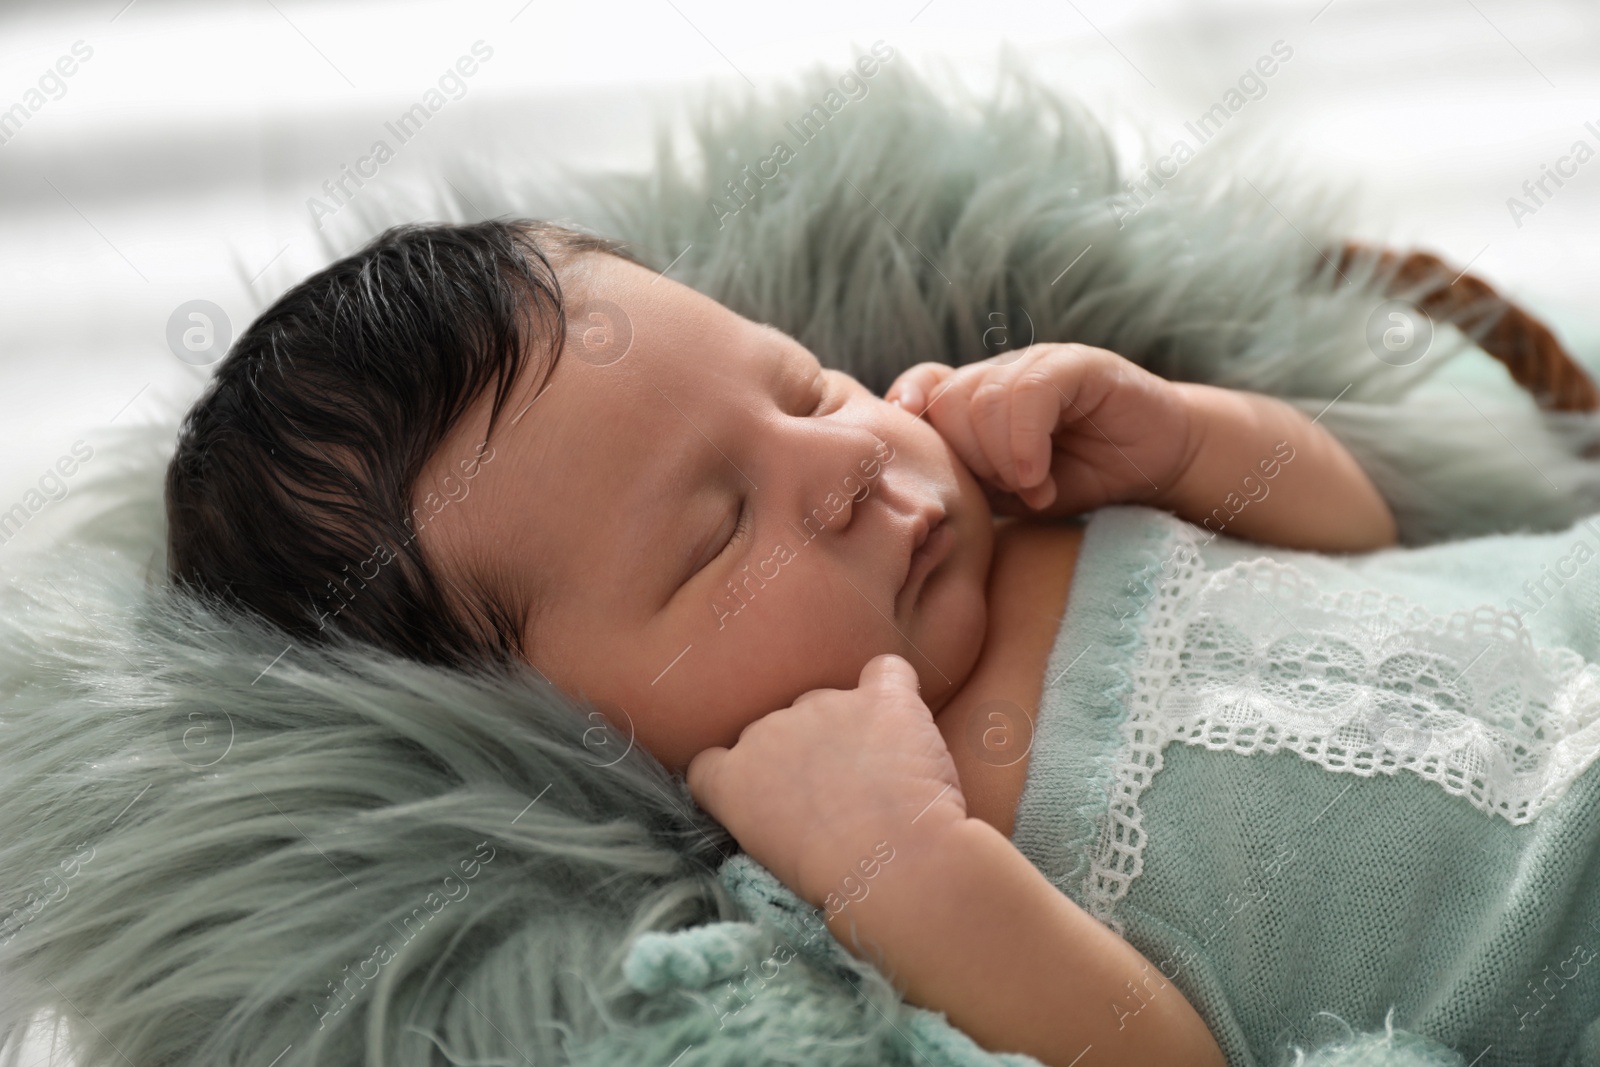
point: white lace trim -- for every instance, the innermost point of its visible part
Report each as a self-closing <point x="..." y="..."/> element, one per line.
<point x="1118" y="856"/>
<point x="1253" y="658"/>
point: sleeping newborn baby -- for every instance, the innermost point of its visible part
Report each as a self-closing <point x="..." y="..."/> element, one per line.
<point x="823" y="607"/>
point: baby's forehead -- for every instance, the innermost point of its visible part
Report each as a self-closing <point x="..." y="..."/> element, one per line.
<point x="617" y="311"/>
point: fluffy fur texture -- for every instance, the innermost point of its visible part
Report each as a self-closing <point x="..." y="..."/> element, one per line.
<point x="208" y="830"/>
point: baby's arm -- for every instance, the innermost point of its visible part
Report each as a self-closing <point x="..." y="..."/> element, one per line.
<point x="1259" y="468"/>
<point x="851" y="799"/>
<point x="967" y="926"/>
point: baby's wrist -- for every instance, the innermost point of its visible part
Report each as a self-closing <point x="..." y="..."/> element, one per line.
<point x="883" y="863"/>
<point x="903" y="886"/>
<point x="1210" y="409"/>
<point x="856" y="885"/>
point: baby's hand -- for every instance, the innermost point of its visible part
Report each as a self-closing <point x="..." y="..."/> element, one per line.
<point x="1063" y="427"/>
<point x="811" y="791"/>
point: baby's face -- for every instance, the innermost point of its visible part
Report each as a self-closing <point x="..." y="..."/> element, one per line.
<point x="705" y="528"/>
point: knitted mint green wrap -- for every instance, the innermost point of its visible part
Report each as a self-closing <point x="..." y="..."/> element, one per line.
<point x="1329" y="794"/>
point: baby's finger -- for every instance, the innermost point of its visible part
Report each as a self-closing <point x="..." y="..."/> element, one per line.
<point x="890" y="671"/>
<point x="704" y="776"/>
<point x="1036" y="411"/>
<point x="949" y="412"/>
<point x="991" y="413"/>
<point x="915" y="388"/>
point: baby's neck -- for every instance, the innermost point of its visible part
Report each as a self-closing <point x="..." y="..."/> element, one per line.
<point x="988" y="723"/>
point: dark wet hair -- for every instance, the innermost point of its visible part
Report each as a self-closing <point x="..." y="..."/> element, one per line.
<point x="290" y="492"/>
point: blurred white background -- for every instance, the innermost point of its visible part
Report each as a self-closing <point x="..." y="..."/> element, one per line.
<point x="176" y="162"/>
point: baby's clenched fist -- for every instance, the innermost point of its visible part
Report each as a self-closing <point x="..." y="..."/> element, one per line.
<point x="839" y="777"/>
<point x="1056" y="429"/>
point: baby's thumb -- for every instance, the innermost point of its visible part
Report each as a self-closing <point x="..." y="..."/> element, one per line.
<point x="890" y="672"/>
<point x="915" y="388"/>
<point x="703" y="776"/>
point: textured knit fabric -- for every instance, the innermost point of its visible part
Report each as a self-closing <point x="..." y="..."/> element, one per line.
<point x="1328" y="794"/>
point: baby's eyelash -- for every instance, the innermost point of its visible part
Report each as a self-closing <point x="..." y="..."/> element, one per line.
<point x="740" y="527"/>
